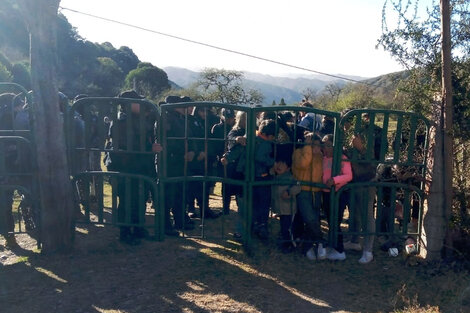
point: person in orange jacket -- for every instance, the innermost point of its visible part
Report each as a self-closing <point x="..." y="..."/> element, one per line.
<point x="307" y="167"/>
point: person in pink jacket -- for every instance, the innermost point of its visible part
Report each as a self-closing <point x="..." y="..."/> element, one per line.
<point x="338" y="181"/>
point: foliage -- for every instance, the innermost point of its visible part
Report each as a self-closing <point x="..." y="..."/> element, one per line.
<point x="412" y="42"/>
<point x="15" y="72"/>
<point x="334" y="91"/>
<point x="125" y="58"/>
<point x="14" y="36"/>
<point x="91" y="68"/>
<point x="81" y="67"/>
<point x="226" y="86"/>
<point x="336" y="98"/>
<point x="328" y="97"/>
<point x="461" y="100"/>
<point x="108" y="77"/>
<point x="21" y="74"/>
<point x="416" y="44"/>
<point x="5" y="61"/>
<point x="309" y="94"/>
<point x="147" y="80"/>
<point x="358" y="96"/>
<point x="5" y="74"/>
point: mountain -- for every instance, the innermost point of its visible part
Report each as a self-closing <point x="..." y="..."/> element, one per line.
<point x="298" y="84"/>
<point x="388" y="81"/>
<point x="273" y="88"/>
<point x="181" y="76"/>
<point x="385" y="86"/>
<point x="325" y="77"/>
<point x="101" y="69"/>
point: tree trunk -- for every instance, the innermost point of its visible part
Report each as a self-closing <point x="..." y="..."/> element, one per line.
<point x="434" y="222"/>
<point x="448" y="116"/>
<point x="56" y="198"/>
<point x="438" y="208"/>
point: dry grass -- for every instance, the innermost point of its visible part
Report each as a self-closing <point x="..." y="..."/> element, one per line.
<point x="216" y="275"/>
<point x="193" y="275"/>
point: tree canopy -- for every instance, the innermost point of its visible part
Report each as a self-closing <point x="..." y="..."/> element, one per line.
<point x="147" y="80"/>
<point x="226" y="86"/>
<point x="435" y="49"/>
<point x="5" y="75"/>
<point x="83" y="66"/>
<point x="415" y="43"/>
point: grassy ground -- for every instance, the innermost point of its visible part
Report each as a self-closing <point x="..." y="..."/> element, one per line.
<point x="192" y="275"/>
<point x="200" y="275"/>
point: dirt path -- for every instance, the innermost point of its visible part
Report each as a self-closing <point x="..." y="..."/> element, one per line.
<point x="192" y="275"/>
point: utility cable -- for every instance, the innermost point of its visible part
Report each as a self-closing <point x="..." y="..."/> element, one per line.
<point x="217" y="47"/>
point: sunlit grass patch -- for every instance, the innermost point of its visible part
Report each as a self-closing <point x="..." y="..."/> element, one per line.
<point x="21" y="259"/>
<point x="50" y="274"/>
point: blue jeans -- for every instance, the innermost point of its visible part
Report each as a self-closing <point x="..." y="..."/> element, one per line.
<point x="261" y="204"/>
<point x="364" y="219"/>
<point x="343" y="202"/>
<point x="310" y="212"/>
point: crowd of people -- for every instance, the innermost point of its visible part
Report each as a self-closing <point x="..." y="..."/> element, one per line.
<point x="16" y="166"/>
<point x="301" y="151"/>
<point x="293" y="169"/>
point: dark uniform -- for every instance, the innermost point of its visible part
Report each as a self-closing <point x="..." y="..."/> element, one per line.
<point x="176" y="146"/>
<point x="16" y="168"/>
<point x="132" y="154"/>
<point x="221" y="131"/>
<point x="9" y="158"/>
<point x="200" y="125"/>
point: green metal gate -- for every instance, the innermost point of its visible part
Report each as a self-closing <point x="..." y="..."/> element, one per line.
<point x="396" y="143"/>
<point x="226" y="225"/>
<point x="177" y="173"/>
<point x="403" y="142"/>
<point x="18" y="171"/>
<point x="113" y="194"/>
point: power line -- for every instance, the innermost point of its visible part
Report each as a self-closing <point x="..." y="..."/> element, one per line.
<point x="215" y="47"/>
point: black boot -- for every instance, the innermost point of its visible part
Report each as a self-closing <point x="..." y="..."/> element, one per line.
<point x="126" y="237"/>
<point x="140" y="232"/>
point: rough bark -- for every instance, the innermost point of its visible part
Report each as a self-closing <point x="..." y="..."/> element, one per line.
<point x="438" y="208"/>
<point x="434" y="222"/>
<point x="448" y="116"/>
<point x="54" y="180"/>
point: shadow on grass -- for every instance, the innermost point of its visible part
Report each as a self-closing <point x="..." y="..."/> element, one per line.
<point x="193" y="275"/>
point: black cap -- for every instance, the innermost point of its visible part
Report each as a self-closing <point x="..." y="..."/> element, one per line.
<point x="177" y="99"/>
<point x="130" y="94"/>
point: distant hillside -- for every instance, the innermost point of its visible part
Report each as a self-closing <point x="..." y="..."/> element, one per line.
<point x="298" y="84"/>
<point x="181" y="76"/>
<point x="274" y="93"/>
<point x="273" y="88"/>
<point x="386" y="85"/>
<point x="184" y="78"/>
<point x="100" y="69"/>
<point x="83" y="67"/>
<point x="388" y="81"/>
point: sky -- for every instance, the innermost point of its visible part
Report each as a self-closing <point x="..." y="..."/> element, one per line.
<point x="334" y="36"/>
